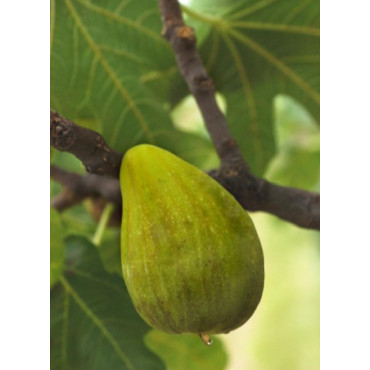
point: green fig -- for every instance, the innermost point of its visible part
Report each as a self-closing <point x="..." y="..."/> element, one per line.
<point x="191" y="257"/>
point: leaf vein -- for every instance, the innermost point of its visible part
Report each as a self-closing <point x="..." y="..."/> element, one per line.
<point x="252" y="9"/>
<point x="92" y="278"/>
<point x="88" y="91"/>
<point x="65" y="329"/>
<point x="277" y="63"/>
<point x="248" y="92"/>
<point x="277" y="27"/>
<point x="52" y="23"/>
<point x="109" y="70"/>
<point x="123" y="20"/>
<point x="84" y="307"/>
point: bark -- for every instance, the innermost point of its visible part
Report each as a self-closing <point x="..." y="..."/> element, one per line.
<point x="87" y="145"/>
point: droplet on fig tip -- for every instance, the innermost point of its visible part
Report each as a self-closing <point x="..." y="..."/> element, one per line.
<point x="207" y="340"/>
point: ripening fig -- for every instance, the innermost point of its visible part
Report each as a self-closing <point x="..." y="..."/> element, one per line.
<point x="191" y="257"/>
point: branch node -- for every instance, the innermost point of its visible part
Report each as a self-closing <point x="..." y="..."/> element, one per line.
<point x="202" y="82"/>
<point x="87" y="145"/>
<point x="186" y="34"/>
<point x="61" y="135"/>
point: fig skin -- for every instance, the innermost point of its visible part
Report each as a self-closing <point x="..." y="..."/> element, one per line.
<point x="191" y="257"/>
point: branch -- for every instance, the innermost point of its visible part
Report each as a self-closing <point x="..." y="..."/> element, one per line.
<point x="88" y="185"/>
<point x="76" y="188"/>
<point x="183" y="40"/>
<point x="87" y="145"/>
<point x="297" y="206"/>
<point x="254" y="194"/>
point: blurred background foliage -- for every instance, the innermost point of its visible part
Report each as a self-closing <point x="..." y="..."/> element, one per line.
<point x="112" y="72"/>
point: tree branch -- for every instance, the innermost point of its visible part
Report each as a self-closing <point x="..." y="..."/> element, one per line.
<point x="76" y="188"/>
<point x="300" y="207"/>
<point x="88" y="185"/>
<point x="87" y="145"/>
<point x="183" y="41"/>
<point x="254" y="194"/>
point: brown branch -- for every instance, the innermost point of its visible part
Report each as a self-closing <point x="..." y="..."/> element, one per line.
<point x="85" y="144"/>
<point x="76" y="188"/>
<point x="183" y="41"/>
<point x="300" y="207"/>
<point x="88" y="185"/>
<point x="254" y="194"/>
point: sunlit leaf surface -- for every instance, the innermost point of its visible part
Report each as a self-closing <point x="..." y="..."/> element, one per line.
<point x="256" y="49"/>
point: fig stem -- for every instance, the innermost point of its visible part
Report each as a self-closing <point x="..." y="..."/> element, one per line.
<point x="104" y="219"/>
<point x="206" y="339"/>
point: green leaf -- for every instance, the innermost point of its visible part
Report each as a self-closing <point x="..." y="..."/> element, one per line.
<point x="293" y="123"/>
<point x="196" y="150"/>
<point x="68" y="161"/>
<point x="255" y="50"/>
<point x="110" y="251"/>
<point x="93" y="323"/>
<point x="195" y="145"/>
<point x="296" y="167"/>
<point x="183" y="352"/>
<point x="56" y="247"/>
<point x="106" y="61"/>
<point x="297" y="162"/>
<point x="78" y="220"/>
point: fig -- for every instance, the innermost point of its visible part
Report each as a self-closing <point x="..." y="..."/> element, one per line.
<point x="191" y="257"/>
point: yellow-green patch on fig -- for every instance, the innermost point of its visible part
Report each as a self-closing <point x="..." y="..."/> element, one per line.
<point x="191" y="257"/>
